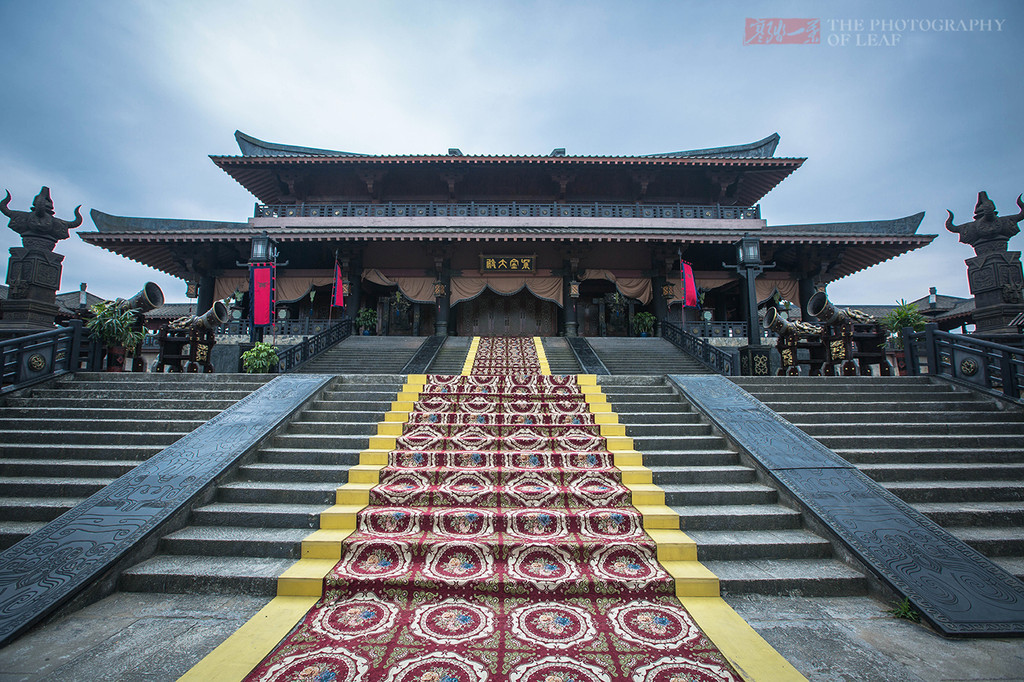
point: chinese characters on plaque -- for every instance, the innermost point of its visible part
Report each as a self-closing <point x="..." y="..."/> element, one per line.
<point x="508" y="264"/>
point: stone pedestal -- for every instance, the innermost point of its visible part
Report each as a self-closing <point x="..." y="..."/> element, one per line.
<point x="996" y="280"/>
<point x="755" y="360"/>
<point x="33" y="277"/>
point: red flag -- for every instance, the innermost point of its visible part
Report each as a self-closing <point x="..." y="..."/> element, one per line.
<point x="262" y="293"/>
<point x="339" y="286"/>
<point x="689" y="286"/>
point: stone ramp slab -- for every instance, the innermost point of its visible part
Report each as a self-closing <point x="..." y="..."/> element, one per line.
<point x="50" y="567"/>
<point x="956" y="589"/>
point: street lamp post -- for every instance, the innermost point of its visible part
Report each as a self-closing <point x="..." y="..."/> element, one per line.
<point x="755" y="358"/>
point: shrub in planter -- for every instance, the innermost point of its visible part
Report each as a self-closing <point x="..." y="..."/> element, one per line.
<point x="643" y="323"/>
<point x="259" y="359"/>
<point x="117" y="329"/>
<point x="367" y="319"/>
<point x="903" y="315"/>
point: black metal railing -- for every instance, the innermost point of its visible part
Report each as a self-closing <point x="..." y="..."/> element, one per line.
<point x="513" y="209"/>
<point x="992" y="367"/>
<point x="299" y="327"/>
<point x="713" y="357"/>
<point x="27" y="360"/>
<point x="307" y="349"/>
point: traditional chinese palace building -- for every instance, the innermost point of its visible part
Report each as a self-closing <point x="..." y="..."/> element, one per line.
<point x="508" y="245"/>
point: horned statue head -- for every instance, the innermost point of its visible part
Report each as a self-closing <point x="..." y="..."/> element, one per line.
<point x="988" y="233"/>
<point x="39" y="227"/>
<point x="42" y="205"/>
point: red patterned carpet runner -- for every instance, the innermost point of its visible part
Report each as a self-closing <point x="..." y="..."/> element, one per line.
<point x="500" y="545"/>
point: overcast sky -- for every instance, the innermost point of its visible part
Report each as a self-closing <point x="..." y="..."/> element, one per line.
<point x="117" y="104"/>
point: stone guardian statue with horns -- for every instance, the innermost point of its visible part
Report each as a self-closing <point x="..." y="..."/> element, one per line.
<point x="33" y="271"/>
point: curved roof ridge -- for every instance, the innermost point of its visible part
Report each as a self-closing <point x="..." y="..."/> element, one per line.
<point x="116" y="224"/>
<point x="251" y="146"/>
<point x="892" y="226"/>
<point x="762" y="149"/>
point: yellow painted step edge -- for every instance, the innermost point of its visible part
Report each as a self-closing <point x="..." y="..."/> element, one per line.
<point x="752" y="657"/>
<point x="301" y="585"/>
<point x="242" y="651"/>
<point x="697" y="588"/>
<point x="542" y="357"/>
<point x="467" y="367"/>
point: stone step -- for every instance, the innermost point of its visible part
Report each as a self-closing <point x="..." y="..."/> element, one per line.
<point x="956" y="491"/>
<point x="718" y="457"/>
<point x="125" y="405"/>
<point x="856" y="383"/>
<point x="35" y="508"/>
<point x="910" y="429"/>
<point x="75" y="468"/>
<point x="12" y="532"/>
<point x="736" y="517"/>
<point x="278" y="492"/>
<point x="315" y="414"/>
<point x="678" y="494"/>
<point x="974" y="514"/>
<point x="306" y="456"/>
<point x="668" y="430"/>
<point x="706" y="475"/>
<point x="806" y="577"/>
<point x="235" y="541"/>
<point x="749" y="545"/>
<point x="898" y="441"/>
<point x="320" y="441"/>
<point x="944" y="471"/>
<point x="679" y="443"/>
<point x="327" y="428"/>
<point x="909" y="455"/>
<point x="891" y="405"/>
<point x="75" y="422"/>
<point x="809" y="415"/>
<point x="262" y="515"/>
<point x="992" y="541"/>
<point x="59" y="487"/>
<point x="108" y="438"/>
<point x="84" y="451"/>
<point x="191" y="574"/>
<point x="294" y="472"/>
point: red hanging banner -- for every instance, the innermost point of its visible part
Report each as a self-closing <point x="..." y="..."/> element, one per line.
<point x="262" y="293"/>
<point x="339" y="286"/>
<point x="689" y="286"/>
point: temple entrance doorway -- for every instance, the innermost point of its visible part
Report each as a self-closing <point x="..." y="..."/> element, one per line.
<point x="603" y="311"/>
<point x="521" y="314"/>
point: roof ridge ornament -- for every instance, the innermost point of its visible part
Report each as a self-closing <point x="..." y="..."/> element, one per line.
<point x="762" y="149"/>
<point x="251" y="146"/>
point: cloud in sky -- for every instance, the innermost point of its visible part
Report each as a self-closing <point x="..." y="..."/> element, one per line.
<point x="116" y="105"/>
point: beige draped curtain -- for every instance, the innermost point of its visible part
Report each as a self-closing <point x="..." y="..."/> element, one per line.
<point x="631" y="287"/>
<point x="286" y="288"/>
<point x="466" y="288"/>
<point x="416" y="289"/>
<point x="788" y="288"/>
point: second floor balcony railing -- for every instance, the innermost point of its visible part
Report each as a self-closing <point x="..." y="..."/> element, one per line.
<point x="506" y="210"/>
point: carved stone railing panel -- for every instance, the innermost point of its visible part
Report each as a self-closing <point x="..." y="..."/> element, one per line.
<point x="50" y="567"/>
<point x="956" y="589"/>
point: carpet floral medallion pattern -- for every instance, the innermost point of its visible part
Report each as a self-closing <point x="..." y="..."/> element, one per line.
<point x="500" y="545"/>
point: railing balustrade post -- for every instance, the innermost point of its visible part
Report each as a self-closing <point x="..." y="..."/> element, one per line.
<point x="1011" y="388"/>
<point x="931" y="352"/>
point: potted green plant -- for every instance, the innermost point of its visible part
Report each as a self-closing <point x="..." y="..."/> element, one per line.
<point x="259" y="359"/>
<point x="117" y="328"/>
<point x="367" y="320"/>
<point x="643" y="323"/>
<point x="903" y="315"/>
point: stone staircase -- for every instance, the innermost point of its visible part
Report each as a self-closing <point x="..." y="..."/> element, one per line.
<point x="744" y="535"/>
<point x="952" y="454"/>
<point x="60" y="442"/>
<point x="561" y="359"/>
<point x="452" y="356"/>
<point x="643" y="356"/>
<point x="252" y="530"/>
<point x="365" y="355"/>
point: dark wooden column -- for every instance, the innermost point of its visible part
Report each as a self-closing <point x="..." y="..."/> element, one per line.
<point x="572" y="326"/>
<point x="204" y="301"/>
<point x="443" y="297"/>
